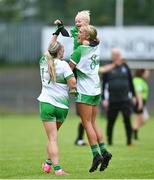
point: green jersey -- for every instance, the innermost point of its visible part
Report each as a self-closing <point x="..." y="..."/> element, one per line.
<point x="141" y="87"/>
<point x="86" y="59"/>
<point x="74" y="33"/>
<point x="55" y="93"/>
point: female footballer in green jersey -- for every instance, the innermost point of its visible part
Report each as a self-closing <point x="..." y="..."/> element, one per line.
<point x="57" y="77"/>
<point x="142" y="91"/>
<point x="81" y="19"/>
<point x="86" y="61"/>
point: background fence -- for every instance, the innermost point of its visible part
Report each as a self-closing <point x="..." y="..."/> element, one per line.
<point x="20" y="86"/>
<point x="20" y="43"/>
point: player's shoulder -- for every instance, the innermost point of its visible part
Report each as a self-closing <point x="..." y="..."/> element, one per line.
<point x="137" y="79"/>
<point x="63" y="63"/>
<point x="85" y="49"/>
<point x="82" y="47"/>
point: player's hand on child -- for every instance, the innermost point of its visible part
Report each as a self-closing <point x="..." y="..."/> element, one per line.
<point x="72" y="91"/>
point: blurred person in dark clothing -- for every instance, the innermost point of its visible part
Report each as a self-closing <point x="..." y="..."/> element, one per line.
<point x="119" y="84"/>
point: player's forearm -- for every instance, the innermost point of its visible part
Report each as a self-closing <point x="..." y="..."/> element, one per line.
<point x="72" y="83"/>
<point x="53" y="39"/>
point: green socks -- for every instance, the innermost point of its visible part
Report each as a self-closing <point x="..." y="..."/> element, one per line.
<point x="102" y="148"/>
<point x="94" y="149"/>
<point x="49" y="162"/>
<point x="56" y="167"/>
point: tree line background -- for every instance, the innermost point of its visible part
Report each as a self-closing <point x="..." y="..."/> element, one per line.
<point x="136" y="12"/>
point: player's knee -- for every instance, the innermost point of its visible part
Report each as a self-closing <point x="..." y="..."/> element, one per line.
<point x="52" y="139"/>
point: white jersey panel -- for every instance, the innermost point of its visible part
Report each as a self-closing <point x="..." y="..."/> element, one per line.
<point x="55" y="93"/>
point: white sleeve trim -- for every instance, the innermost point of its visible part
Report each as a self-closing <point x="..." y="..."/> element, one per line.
<point x="73" y="61"/>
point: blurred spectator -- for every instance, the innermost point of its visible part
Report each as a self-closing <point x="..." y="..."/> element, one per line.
<point x="142" y="91"/>
<point x="118" y="82"/>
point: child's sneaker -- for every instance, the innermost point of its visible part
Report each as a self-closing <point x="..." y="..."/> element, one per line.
<point x="61" y="172"/>
<point x="46" y="168"/>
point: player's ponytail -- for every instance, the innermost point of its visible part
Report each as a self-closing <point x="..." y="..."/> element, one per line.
<point x="51" y="54"/>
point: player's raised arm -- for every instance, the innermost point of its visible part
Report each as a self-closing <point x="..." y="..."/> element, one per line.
<point x="54" y="36"/>
<point x="60" y="29"/>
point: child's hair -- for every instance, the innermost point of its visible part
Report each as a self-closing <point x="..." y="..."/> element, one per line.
<point x="92" y="32"/>
<point x="85" y="14"/>
<point x="51" y="54"/>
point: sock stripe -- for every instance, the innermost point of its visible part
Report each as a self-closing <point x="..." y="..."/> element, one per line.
<point x="102" y="147"/>
<point x="94" y="149"/>
<point x="56" y="167"/>
<point x="49" y="162"/>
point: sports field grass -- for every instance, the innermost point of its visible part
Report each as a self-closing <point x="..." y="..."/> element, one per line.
<point x="22" y="150"/>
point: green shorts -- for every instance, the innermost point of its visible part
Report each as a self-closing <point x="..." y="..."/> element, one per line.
<point x="86" y="99"/>
<point x="49" y="112"/>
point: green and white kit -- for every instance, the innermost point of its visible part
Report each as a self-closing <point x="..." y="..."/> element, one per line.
<point x="55" y="93"/>
<point x="86" y="58"/>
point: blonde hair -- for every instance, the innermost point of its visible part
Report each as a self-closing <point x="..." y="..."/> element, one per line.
<point x="51" y="54"/>
<point x="92" y="33"/>
<point x="85" y="14"/>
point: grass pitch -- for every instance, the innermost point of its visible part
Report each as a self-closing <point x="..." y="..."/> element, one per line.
<point x="23" y="143"/>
